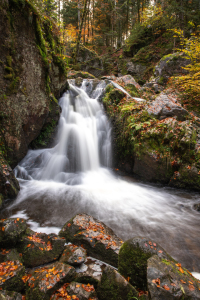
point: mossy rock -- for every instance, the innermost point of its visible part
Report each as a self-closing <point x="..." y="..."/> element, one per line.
<point x="10" y="254"/>
<point x="168" y="280"/>
<point x="133" y="257"/>
<point x="11" y="230"/>
<point x="11" y="276"/>
<point x="81" y="291"/>
<point x="114" y="286"/>
<point x="43" y="282"/>
<point x="186" y="177"/>
<point x="40" y="248"/>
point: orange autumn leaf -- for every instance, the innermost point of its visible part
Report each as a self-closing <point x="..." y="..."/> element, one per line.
<point x="166" y="287"/>
<point x="181" y="270"/>
<point x="182" y="281"/>
<point x="191" y="287"/>
<point x="28" y="245"/>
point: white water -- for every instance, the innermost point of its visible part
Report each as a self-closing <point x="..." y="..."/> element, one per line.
<point x="75" y="177"/>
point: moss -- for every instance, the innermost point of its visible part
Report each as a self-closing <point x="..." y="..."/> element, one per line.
<point x="8" y="76"/>
<point x="44" y="137"/>
<point x="9" y="61"/>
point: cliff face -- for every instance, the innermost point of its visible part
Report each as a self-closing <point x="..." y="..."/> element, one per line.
<point x="32" y="76"/>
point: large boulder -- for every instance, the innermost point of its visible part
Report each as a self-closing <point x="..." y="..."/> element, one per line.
<point x="171" y="65"/>
<point x="43" y="282"/>
<point x="98" y="239"/>
<point x="167" y="280"/>
<point x="114" y="286"/>
<point x="11" y="230"/>
<point x="133" y="257"/>
<point x="39" y="248"/>
<point x="82" y="291"/>
<point x="11" y="273"/>
<point x="136" y="69"/>
<point x="165" y="106"/>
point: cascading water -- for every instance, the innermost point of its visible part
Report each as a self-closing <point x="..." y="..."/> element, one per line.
<point x="74" y="177"/>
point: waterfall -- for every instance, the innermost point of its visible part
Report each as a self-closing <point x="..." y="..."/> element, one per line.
<point x="84" y="139"/>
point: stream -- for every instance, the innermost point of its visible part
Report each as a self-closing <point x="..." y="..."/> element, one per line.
<point x="76" y="176"/>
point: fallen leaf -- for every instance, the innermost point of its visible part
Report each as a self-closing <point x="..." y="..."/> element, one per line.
<point x="166" y="287"/>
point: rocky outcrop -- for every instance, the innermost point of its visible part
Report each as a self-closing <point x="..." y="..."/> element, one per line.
<point x="145" y="269"/>
<point x="31" y="79"/>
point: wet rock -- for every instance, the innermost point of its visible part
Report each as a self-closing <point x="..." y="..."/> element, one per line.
<point x="10" y="254"/>
<point x="114" y="286"/>
<point x="11" y="230"/>
<point x="133" y="257"/>
<point x="9" y="186"/>
<point x="165" y="106"/>
<point x="43" y="282"/>
<point x="6" y="295"/>
<point x="82" y="291"/>
<point x="99" y="240"/>
<point x="90" y="271"/>
<point x="73" y="255"/>
<point x="167" y="280"/>
<point x="11" y="273"/>
<point x="40" y="248"/>
<point x="197" y="207"/>
<point x="152" y="167"/>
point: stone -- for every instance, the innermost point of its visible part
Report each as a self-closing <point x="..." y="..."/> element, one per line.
<point x="82" y="291"/>
<point x="79" y="74"/>
<point x="6" y="295"/>
<point x="10" y="254"/>
<point x="167" y="280"/>
<point x="90" y="271"/>
<point x="133" y="257"/>
<point x="152" y="168"/>
<point x="186" y="177"/>
<point x="43" y="282"/>
<point x="11" y="230"/>
<point x="197" y="207"/>
<point x="135" y="69"/>
<point x="128" y="80"/>
<point x="170" y="65"/>
<point x="73" y="255"/>
<point x="40" y="248"/>
<point x="9" y="186"/>
<point x="11" y="273"/>
<point x="165" y="106"/>
<point x="98" y="239"/>
<point x="114" y="286"/>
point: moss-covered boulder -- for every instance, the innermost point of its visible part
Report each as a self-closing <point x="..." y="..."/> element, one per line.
<point x="171" y="65"/>
<point x="11" y="273"/>
<point x="6" y="295"/>
<point x="73" y="255"/>
<point x="167" y="280"/>
<point x="40" y="248"/>
<point x="82" y="291"/>
<point x="11" y="230"/>
<point x="188" y="176"/>
<point x="114" y="286"/>
<point x="10" y="254"/>
<point x="98" y="239"/>
<point x="133" y="257"/>
<point x="43" y="282"/>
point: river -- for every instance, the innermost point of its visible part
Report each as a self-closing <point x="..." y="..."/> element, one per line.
<point x="76" y="176"/>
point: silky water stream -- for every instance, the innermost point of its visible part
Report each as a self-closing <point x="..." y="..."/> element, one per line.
<point x="75" y="176"/>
